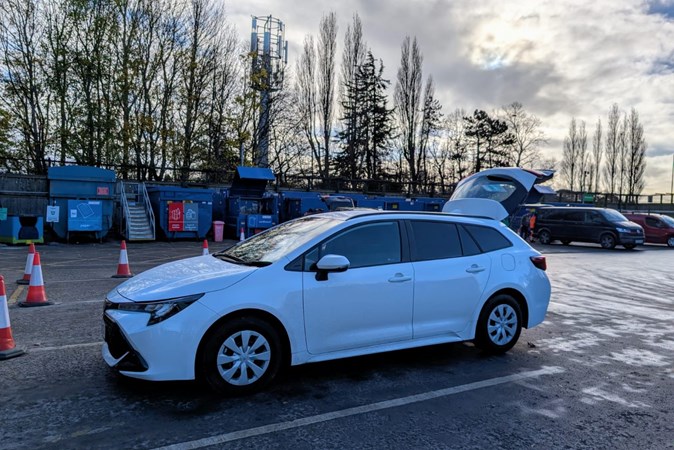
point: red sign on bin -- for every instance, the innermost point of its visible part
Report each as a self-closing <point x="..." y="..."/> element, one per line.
<point x="175" y="216"/>
<point x="102" y="190"/>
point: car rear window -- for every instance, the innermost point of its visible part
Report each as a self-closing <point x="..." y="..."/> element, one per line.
<point x="488" y="238"/>
<point x="468" y="243"/>
<point x="435" y="240"/>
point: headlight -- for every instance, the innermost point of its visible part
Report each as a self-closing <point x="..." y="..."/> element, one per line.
<point x="161" y="309"/>
<point x="623" y="230"/>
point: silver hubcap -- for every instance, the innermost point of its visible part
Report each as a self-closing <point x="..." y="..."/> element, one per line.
<point x="607" y="241"/>
<point x="243" y="358"/>
<point x="502" y="324"/>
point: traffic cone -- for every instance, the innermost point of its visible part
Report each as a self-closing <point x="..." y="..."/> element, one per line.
<point x="7" y="346"/>
<point x="123" y="269"/>
<point x="242" y="237"/>
<point x="204" y="250"/>
<point x="29" y="266"/>
<point x="36" y="294"/>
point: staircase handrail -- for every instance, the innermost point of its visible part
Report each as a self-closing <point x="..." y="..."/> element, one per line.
<point x="125" y="209"/>
<point x="148" y="207"/>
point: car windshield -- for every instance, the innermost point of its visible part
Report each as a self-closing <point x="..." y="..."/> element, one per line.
<point x="614" y="216"/>
<point x="270" y="246"/>
<point x="668" y="220"/>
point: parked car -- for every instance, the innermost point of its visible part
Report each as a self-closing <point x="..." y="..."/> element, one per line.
<point x="604" y="226"/>
<point x="328" y="286"/>
<point x="658" y="228"/>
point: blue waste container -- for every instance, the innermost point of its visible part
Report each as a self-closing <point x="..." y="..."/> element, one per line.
<point x="182" y="213"/>
<point x="85" y="199"/>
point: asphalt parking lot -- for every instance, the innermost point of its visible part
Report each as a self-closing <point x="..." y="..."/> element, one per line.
<point x="599" y="373"/>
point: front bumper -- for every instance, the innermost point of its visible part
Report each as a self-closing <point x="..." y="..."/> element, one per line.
<point x="636" y="239"/>
<point x="160" y="352"/>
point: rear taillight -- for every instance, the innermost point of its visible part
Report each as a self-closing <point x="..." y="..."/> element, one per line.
<point x="539" y="261"/>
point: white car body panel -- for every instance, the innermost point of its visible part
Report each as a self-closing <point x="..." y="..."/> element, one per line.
<point x="476" y="207"/>
<point x="356" y="312"/>
<point x="358" y="308"/>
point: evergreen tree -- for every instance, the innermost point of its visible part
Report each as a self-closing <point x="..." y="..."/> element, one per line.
<point x="367" y="122"/>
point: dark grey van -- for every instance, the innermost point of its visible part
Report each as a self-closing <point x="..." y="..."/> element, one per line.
<point x="580" y="224"/>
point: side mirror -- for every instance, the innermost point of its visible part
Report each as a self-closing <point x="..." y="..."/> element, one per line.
<point x="331" y="263"/>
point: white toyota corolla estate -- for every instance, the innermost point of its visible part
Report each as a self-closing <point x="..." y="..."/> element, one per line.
<point x="335" y="285"/>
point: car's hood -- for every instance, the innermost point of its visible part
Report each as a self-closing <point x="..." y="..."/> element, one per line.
<point x="183" y="277"/>
<point x="629" y="224"/>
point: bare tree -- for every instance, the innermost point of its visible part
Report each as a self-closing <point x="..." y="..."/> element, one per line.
<point x="570" y="161"/>
<point x="430" y="123"/>
<point x="582" y="157"/>
<point x="527" y="134"/>
<point x="612" y="166"/>
<point x="407" y="99"/>
<point x="636" y="151"/>
<point x="307" y="98"/>
<point x="597" y="153"/>
<point x="451" y="159"/>
<point x="327" y="51"/>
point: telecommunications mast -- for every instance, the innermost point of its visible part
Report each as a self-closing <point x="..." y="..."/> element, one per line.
<point x="269" y="51"/>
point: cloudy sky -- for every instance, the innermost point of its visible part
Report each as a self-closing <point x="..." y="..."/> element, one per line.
<point x="559" y="58"/>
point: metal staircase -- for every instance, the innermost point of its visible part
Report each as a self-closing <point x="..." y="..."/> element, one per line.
<point x="138" y="218"/>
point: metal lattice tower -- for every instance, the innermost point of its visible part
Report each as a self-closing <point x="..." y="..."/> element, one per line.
<point x="269" y="51"/>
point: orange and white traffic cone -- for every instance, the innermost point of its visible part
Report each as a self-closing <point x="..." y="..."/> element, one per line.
<point x="242" y="236"/>
<point x="7" y="346"/>
<point x="36" y="294"/>
<point x="204" y="250"/>
<point x="29" y="266"/>
<point x="123" y="269"/>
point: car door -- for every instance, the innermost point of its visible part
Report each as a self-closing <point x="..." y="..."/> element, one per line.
<point x="593" y="226"/>
<point x="654" y="229"/>
<point x="451" y="273"/>
<point x="368" y="304"/>
<point x="573" y="228"/>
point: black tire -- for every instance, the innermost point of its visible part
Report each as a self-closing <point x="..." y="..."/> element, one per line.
<point x="607" y="241"/>
<point x="544" y="237"/>
<point x="670" y="241"/>
<point x="630" y="246"/>
<point x="491" y="337"/>
<point x="259" y="371"/>
<point x="566" y="242"/>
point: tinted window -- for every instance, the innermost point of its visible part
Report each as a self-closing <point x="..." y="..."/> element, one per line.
<point x="592" y="217"/>
<point x="553" y="215"/>
<point x="574" y="216"/>
<point x="488" y="238"/>
<point x="468" y="243"/>
<point x="613" y="216"/>
<point x="651" y="222"/>
<point x="435" y="240"/>
<point x="365" y="245"/>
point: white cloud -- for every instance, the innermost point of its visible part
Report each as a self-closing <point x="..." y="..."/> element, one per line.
<point x="560" y="58"/>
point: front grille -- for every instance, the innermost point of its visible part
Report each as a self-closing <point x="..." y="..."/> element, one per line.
<point x="116" y="341"/>
<point x="119" y="346"/>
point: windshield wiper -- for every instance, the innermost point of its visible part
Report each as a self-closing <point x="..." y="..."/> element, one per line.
<point x="237" y="260"/>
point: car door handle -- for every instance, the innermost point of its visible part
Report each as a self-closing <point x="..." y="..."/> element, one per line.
<point x="399" y="278"/>
<point x="475" y="269"/>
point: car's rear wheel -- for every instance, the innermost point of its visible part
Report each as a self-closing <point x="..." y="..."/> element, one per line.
<point x="607" y="240"/>
<point x="670" y="241"/>
<point x="241" y="357"/>
<point x="499" y="325"/>
<point x="544" y="237"/>
<point x="630" y="246"/>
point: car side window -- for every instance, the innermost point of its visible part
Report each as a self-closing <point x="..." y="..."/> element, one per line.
<point x="554" y="215"/>
<point x="365" y="245"/>
<point x="652" y="222"/>
<point x="488" y="238"/>
<point x="468" y="244"/>
<point x="592" y="217"/>
<point x="435" y="240"/>
<point x="574" y="216"/>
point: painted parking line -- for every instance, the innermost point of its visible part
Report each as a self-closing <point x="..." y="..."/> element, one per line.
<point x="272" y="428"/>
<point x="15" y="295"/>
<point x="65" y="347"/>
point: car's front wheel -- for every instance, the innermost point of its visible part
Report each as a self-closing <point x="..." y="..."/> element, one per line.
<point x="499" y="325"/>
<point x="670" y="241"/>
<point x="607" y="240"/>
<point x="544" y="237"/>
<point x="241" y="356"/>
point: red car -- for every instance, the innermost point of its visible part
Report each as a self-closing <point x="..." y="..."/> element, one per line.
<point x="658" y="228"/>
